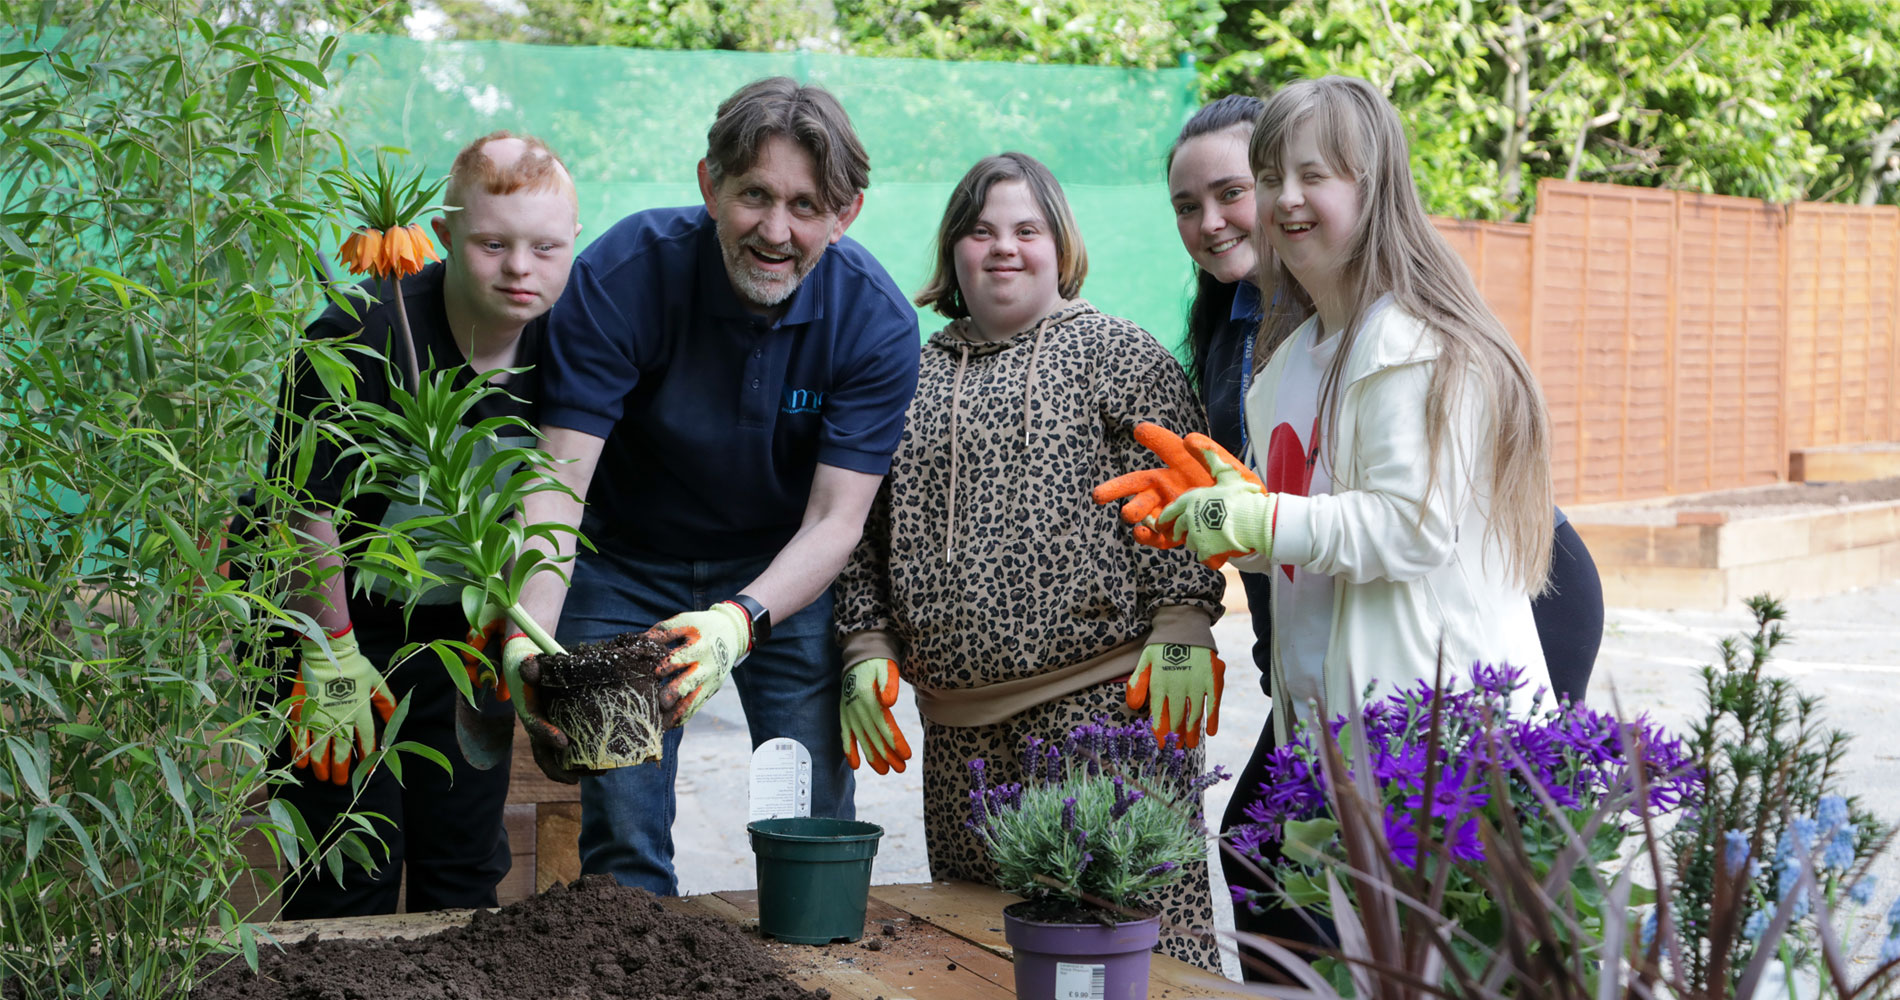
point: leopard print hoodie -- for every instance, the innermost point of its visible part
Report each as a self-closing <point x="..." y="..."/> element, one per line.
<point x="984" y="560"/>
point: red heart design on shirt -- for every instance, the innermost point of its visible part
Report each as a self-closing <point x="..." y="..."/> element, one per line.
<point x="1290" y="464"/>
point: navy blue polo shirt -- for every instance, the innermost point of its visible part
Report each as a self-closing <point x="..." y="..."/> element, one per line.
<point x="715" y="418"/>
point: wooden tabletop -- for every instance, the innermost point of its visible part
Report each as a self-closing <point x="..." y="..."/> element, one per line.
<point x="933" y="941"/>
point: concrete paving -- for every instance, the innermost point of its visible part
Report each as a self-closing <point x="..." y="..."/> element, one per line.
<point x="1846" y="648"/>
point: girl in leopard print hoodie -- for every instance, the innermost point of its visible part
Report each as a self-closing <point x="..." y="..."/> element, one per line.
<point x="987" y="577"/>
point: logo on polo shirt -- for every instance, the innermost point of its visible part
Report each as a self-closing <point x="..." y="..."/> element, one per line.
<point x="801" y="401"/>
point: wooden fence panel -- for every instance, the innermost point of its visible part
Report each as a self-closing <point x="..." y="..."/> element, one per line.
<point x="1726" y="377"/>
<point x="1841" y="262"/>
<point x="1603" y="297"/>
<point x="1499" y="256"/>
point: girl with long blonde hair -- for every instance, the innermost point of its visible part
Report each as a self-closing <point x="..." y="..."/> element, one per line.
<point x="1403" y="500"/>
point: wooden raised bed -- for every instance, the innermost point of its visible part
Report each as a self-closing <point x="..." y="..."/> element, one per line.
<point x="945" y="942"/>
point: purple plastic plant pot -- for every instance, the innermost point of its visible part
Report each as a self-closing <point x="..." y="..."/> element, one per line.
<point x="1064" y="961"/>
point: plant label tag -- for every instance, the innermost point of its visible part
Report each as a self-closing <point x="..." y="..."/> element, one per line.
<point x="1081" y="982"/>
<point x="781" y="780"/>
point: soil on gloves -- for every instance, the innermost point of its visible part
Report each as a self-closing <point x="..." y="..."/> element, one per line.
<point x="589" y="939"/>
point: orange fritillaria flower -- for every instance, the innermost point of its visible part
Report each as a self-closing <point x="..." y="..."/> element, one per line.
<point x="399" y="251"/>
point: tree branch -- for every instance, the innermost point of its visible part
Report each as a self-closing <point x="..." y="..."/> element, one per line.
<point x="1881" y="170"/>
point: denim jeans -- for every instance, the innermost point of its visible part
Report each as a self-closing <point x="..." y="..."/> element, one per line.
<point x="789" y="686"/>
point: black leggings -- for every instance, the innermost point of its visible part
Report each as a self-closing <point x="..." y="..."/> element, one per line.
<point x="1569" y="626"/>
<point x="1570" y="614"/>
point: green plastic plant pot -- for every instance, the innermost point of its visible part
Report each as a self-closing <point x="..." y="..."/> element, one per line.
<point x="814" y="877"/>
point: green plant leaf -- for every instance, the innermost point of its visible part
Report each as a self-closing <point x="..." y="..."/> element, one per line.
<point x="1306" y="839"/>
<point x="32" y="766"/>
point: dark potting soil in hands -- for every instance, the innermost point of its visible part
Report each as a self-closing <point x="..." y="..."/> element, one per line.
<point x="592" y="939"/>
<point x="624" y="659"/>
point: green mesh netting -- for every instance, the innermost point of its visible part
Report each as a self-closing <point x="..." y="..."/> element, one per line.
<point x="631" y="124"/>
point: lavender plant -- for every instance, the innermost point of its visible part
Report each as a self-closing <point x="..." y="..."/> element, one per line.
<point x="1107" y="816"/>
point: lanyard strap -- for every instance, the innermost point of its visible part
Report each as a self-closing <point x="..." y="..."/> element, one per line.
<point x="1246" y="381"/>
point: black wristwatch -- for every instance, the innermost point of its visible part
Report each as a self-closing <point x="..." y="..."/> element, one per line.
<point x="760" y="619"/>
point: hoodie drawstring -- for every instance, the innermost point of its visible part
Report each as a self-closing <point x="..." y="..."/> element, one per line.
<point x="956" y="402"/>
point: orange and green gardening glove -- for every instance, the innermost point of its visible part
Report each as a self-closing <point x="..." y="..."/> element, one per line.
<point x="481" y="670"/>
<point x="1149" y="490"/>
<point x="1232" y="517"/>
<point x="520" y="673"/>
<point x="864" y="714"/>
<point x="1184" y="682"/>
<point x="331" y="704"/>
<point x="710" y="644"/>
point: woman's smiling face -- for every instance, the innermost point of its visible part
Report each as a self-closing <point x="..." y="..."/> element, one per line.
<point x="1213" y="195"/>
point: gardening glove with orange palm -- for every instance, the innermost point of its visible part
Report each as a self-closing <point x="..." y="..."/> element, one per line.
<point x="481" y="669"/>
<point x="521" y="673"/>
<point x="864" y="713"/>
<point x="709" y="644"/>
<point x="330" y="707"/>
<point x="1149" y="490"/>
<point x="1232" y="517"/>
<point x="1184" y="683"/>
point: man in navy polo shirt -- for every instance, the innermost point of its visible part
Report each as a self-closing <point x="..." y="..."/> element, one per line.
<point x="728" y="383"/>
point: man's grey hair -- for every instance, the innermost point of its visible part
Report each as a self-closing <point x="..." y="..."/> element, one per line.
<point x="807" y="115"/>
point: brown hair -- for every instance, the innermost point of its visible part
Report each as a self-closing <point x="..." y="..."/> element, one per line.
<point x="1398" y="252"/>
<point x="807" y="115"/>
<point x="536" y="169"/>
<point x="966" y="205"/>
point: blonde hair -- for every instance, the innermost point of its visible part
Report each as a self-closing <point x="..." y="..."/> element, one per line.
<point x="966" y="207"/>
<point x="1396" y="251"/>
<point x="536" y="169"/>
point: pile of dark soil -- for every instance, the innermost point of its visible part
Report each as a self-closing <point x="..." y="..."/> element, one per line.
<point x="590" y="939"/>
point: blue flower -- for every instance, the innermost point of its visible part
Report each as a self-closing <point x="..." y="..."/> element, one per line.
<point x="1736" y="854"/>
<point x="1890" y="949"/>
<point x="1806" y="831"/>
<point x="1756" y="923"/>
<point x="1832" y="813"/>
<point x="1839" y="855"/>
<point x="1863" y="891"/>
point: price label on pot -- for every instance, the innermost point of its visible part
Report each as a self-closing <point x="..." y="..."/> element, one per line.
<point x="1081" y="982"/>
<point x="781" y="779"/>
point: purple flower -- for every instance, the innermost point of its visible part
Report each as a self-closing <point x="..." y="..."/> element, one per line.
<point x="1250" y="839"/>
<point x="1464" y="843"/>
<point x="1161" y="869"/>
<point x="1451" y="796"/>
<point x="1068" y="813"/>
<point x="1401" y="838"/>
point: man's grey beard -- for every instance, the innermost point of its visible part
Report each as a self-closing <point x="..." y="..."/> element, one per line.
<point x="766" y="291"/>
